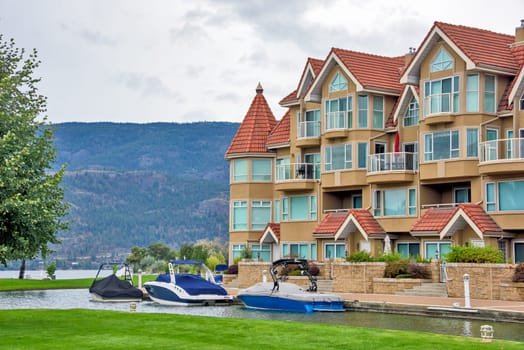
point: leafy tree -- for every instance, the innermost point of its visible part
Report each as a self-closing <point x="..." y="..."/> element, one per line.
<point x="31" y="199"/>
<point x="137" y="254"/>
<point x="159" y="251"/>
<point x="186" y="251"/>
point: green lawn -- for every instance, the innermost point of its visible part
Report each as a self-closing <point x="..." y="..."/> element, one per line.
<point x="95" y="329"/>
<point x="16" y="284"/>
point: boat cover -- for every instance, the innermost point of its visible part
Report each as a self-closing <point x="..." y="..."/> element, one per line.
<point x="193" y="284"/>
<point x="113" y="287"/>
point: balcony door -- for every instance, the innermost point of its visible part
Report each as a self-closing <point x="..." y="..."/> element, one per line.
<point x="492" y="136"/>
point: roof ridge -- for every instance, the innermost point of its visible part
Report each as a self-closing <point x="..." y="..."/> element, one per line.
<point x="438" y="23"/>
<point x="367" y="53"/>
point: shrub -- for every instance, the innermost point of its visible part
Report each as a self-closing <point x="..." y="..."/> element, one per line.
<point x="419" y="271"/>
<point x="390" y="257"/>
<point x="395" y="268"/>
<point x="51" y="269"/>
<point x="313" y="270"/>
<point x="361" y="256"/>
<point x="232" y="270"/>
<point x="479" y="255"/>
<point x="518" y="275"/>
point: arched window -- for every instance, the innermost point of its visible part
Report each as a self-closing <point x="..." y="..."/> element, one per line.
<point x="338" y="83"/>
<point x="442" y="61"/>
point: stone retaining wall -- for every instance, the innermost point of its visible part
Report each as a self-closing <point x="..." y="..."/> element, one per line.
<point x="393" y="285"/>
<point x="355" y="277"/>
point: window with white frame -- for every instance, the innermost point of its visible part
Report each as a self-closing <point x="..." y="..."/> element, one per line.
<point x="441" y="145"/>
<point x="239" y="217"/>
<point x="362" y="111"/>
<point x="462" y="195"/>
<point x="441" y="95"/>
<point x="261" y="170"/>
<point x="312" y="161"/>
<point x="295" y="250"/>
<point x="276" y="213"/>
<point x="408" y="249"/>
<point x="437" y="250"/>
<point x="313" y="251"/>
<point x="334" y="250"/>
<point x="339" y="113"/>
<point x="261" y="251"/>
<point x="472" y="93"/>
<point x="378" y="112"/>
<point x="505" y="195"/>
<point x="472" y="140"/>
<point x="338" y="157"/>
<point x="442" y="61"/>
<point x="260" y="214"/>
<point x="338" y="83"/>
<point x="489" y="93"/>
<point x="491" y="204"/>
<point x="310" y="127"/>
<point x="282" y="171"/>
<point x="395" y="202"/>
<point x="362" y="153"/>
<point x="299" y="208"/>
<point x="411" y="115"/>
<point x="285" y="209"/>
<point x="240" y="170"/>
<point x="237" y="250"/>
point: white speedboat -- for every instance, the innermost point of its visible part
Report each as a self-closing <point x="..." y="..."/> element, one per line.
<point x="192" y="284"/>
<point x="285" y="296"/>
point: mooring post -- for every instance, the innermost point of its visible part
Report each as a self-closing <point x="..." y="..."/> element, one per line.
<point x="140" y="278"/>
<point x="467" y="301"/>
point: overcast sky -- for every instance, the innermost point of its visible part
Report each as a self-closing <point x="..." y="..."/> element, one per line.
<point x="184" y="61"/>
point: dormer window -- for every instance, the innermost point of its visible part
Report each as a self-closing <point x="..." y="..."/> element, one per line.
<point x="442" y="61"/>
<point x="338" y="83"/>
<point x="411" y="116"/>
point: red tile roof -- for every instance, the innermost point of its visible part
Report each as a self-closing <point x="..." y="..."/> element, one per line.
<point x="280" y="133"/>
<point x="436" y="219"/>
<point x="334" y="222"/>
<point x="292" y="97"/>
<point x="482" y="47"/>
<point x="271" y="227"/>
<point x="252" y="134"/>
<point x="316" y="64"/>
<point x="372" y="71"/>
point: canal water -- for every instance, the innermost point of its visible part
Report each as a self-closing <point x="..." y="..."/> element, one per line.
<point x="80" y="298"/>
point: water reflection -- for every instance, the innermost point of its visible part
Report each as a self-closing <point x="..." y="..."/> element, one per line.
<point x="79" y="298"/>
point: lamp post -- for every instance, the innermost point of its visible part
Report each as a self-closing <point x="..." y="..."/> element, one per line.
<point x="467" y="301"/>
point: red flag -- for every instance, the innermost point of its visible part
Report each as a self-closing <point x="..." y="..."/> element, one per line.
<point x="397" y="143"/>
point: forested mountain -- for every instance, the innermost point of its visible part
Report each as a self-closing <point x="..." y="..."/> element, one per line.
<point x="137" y="184"/>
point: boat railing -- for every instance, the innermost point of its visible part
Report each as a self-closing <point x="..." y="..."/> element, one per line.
<point x="303" y="267"/>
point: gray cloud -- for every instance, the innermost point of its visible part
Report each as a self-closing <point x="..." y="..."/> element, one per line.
<point x="188" y="33"/>
<point x="96" y="38"/>
<point x="145" y="85"/>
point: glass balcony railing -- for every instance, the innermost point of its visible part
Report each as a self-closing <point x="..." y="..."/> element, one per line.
<point x="440" y="103"/>
<point x="501" y="150"/>
<point x="297" y="171"/>
<point x="308" y="129"/>
<point x="337" y="120"/>
<point x="390" y="162"/>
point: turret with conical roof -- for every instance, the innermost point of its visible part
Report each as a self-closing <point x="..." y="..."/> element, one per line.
<point x="252" y="134"/>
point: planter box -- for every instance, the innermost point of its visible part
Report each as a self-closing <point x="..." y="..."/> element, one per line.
<point x="512" y="291"/>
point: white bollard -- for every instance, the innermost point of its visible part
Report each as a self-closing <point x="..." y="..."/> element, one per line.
<point x="140" y="278"/>
<point x="467" y="301"/>
<point x="264" y="276"/>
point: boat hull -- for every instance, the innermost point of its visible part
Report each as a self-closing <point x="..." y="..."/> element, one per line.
<point x="166" y="293"/>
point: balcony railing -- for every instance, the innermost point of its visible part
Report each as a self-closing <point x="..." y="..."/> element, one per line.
<point x="308" y="129"/>
<point x="440" y="103"/>
<point x="297" y="171"/>
<point x="502" y="150"/>
<point x="337" y="120"/>
<point x="390" y="162"/>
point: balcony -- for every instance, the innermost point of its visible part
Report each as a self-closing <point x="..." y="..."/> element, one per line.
<point x="502" y="156"/>
<point x="296" y="176"/>
<point x="438" y="108"/>
<point x="308" y="134"/>
<point x="337" y="124"/>
<point x="392" y="167"/>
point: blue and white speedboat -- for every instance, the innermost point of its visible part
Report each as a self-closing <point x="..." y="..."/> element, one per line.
<point x="285" y="296"/>
<point x="192" y="284"/>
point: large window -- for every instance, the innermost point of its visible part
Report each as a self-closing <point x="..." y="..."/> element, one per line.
<point x="338" y="83"/>
<point x="437" y="250"/>
<point x="334" y="250"/>
<point x="295" y="250"/>
<point x="408" y="249"/>
<point x="237" y="250"/>
<point x="441" y="145"/>
<point x="395" y="202"/>
<point x="338" y="157"/>
<point x="472" y="93"/>
<point x="472" y="136"/>
<point x="362" y="111"/>
<point x="505" y="196"/>
<point x="299" y="208"/>
<point x="339" y="113"/>
<point x="261" y="169"/>
<point x="411" y="116"/>
<point x="442" y="61"/>
<point x="261" y="251"/>
<point x="362" y="155"/>
<point x="310" y="127"/>
<point x="489" y="93"/>
<point x="239" y="170"/>
<point x="260" y="214"/>
<point x="239" y="219"/>
<point x="378" y="112"/>
<point x="441" y="95"/>
<point x="313" y="163"/>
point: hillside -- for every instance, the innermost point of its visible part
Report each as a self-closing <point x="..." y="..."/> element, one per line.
<point x="136" y="184"/>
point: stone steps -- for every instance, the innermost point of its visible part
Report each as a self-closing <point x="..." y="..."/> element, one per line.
<point x="325" y="286"/>
<point x="427" y="290"/>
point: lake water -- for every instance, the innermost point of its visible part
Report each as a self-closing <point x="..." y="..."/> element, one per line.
<point x="80" y="298"/>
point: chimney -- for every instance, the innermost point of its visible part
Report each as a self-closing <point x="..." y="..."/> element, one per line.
<point x="408" y="56"/>
<point x="519" y="33"/>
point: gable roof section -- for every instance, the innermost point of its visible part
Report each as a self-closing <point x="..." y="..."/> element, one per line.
<point x="369" y="72"/>
<point x="340" y="224"/>
<point x="271" y="233"/>
<point x="279" y="136"/>
<point x="479" y="48"/>
<point x="310" y="71"/>
<point x="253" y="132"/>
<point x="403" y="101"/>
<point x="445" y="222"/>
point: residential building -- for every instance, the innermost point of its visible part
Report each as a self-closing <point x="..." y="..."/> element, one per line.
<point x="414" y="153"/>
